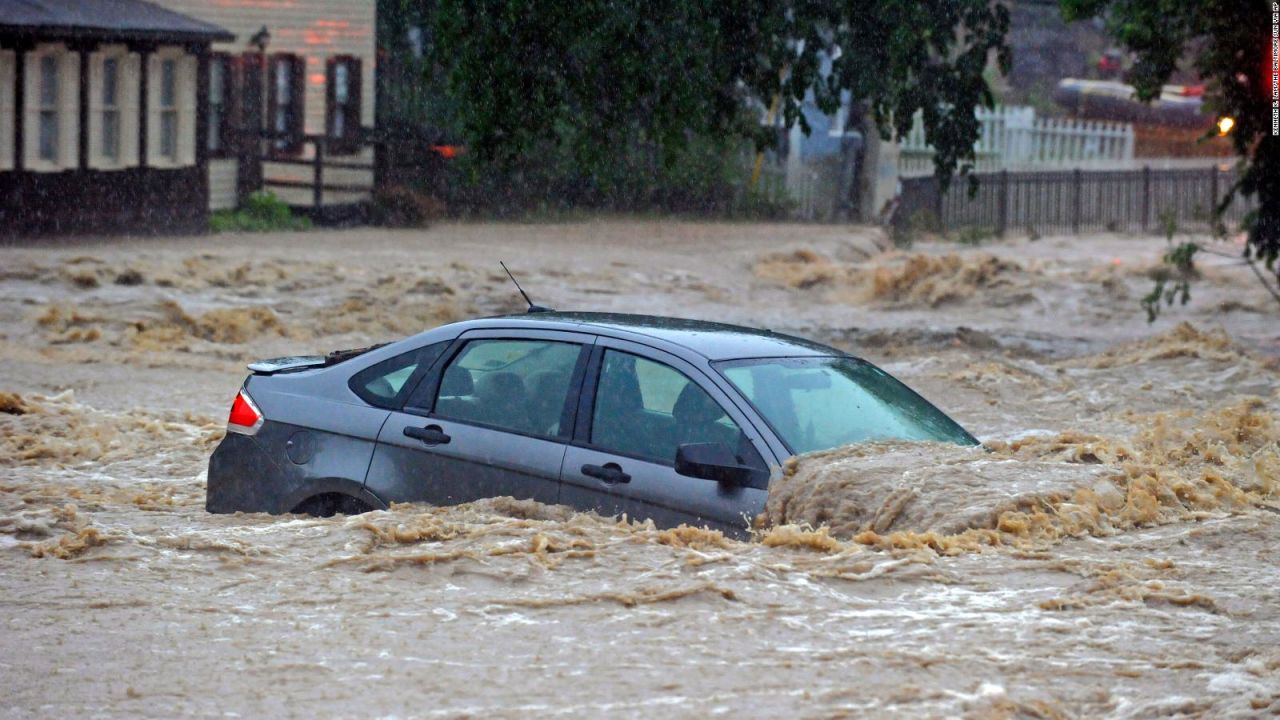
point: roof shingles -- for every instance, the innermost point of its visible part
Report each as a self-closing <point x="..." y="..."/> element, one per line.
<point x="103" y="19"/>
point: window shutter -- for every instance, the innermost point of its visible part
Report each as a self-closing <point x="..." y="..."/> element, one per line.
<point x="273" y="96"/>
<point x="31" y="112"/>
<point x="188" y="70"/>
<point x="7" y="77"/>
<point x="355" y="102"/>
<point x="234" y="107"/>
<point x="349" y="140"/>
<point x="69" y="110"/>
<point x="153" y="110"/>
<point x="220" y="66"/>
<point x="95" y="111"/>
<point x="298" y="77"/>
<point x="294" y="69"/>
<point x="330" y="97"/>
<point x="130" y="80"/>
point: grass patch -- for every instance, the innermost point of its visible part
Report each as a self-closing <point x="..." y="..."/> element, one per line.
<point x="262" y="212"/>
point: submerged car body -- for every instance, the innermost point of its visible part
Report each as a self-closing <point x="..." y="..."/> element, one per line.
<point x="677" y="421"/>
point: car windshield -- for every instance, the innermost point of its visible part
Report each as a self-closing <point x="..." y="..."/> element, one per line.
<point x="823" y="402"/>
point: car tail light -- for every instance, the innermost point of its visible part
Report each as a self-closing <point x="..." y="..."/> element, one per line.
<point x="245" y="416"/>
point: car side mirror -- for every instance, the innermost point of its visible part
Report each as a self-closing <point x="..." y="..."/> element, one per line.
<point x="711" y="461"/>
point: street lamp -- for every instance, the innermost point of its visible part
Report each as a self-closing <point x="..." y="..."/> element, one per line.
<point x="260" y="39"/>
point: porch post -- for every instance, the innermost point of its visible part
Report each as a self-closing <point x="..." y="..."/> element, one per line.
<point x="19" y="106"/>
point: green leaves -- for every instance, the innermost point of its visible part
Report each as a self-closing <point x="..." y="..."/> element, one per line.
<point x="1228" y="43"/>
<point x="589" y="77"/>
<point x="262" y="212"/>
<point x="1173" y="280"/>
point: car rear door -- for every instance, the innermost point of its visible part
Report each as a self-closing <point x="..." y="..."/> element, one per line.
<point x="494" y="419"/>
<point x="627" y="431"/>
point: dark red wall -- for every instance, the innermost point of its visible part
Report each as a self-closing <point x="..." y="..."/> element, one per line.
<point x="135" y="201"/>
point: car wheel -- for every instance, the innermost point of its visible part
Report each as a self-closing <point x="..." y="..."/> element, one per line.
<point x="330" y="504"/>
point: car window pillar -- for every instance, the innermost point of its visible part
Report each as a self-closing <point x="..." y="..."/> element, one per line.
<point x="587" y="396"/>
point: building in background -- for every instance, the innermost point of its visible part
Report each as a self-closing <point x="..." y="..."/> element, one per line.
<point x="302" y="74"/>
<point x="103" y="117"/>
<point x="142" y="117"/>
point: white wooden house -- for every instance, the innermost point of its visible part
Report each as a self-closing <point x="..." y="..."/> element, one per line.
<point x="102" y="117"/>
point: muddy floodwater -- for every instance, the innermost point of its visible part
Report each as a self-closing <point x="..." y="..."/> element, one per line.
<point x="1110" y="552"/>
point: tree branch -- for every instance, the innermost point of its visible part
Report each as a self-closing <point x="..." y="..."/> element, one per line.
<point x="1263" y="279"/>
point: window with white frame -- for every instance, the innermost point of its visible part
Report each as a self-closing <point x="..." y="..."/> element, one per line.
<point x="284" y="103"/>
<point x="113" y="108"/>
<point x="48" y="107"/>
<point x="110" y="108"/>
<point x="51" y="98"/>
<point x="8" y="76"/>
<point x="341" y="99"/>
<point x="171" y="93"/>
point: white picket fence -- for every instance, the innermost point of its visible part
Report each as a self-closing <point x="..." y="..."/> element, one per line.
<point x="1013" y="138"/>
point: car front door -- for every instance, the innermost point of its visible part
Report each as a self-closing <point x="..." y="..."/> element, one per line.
<point x="639" y="405"/>
<point x="492" y="420"/>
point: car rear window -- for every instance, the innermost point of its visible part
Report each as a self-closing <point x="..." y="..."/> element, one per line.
<point x="387" y="384"/>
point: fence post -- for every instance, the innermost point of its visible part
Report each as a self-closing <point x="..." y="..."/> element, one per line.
<point x="1213" y="191"/>
<point x="1077" y="181"/>
<point x="937" y="204"/>
<point x="1002" y="220"/>
<point x="317" y="192"/>
<point x="1146" y="197"/>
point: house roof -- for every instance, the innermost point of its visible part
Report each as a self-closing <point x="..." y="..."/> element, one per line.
<point x="106" y="19"/>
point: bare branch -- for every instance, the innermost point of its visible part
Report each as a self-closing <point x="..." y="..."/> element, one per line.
<point x="1263" y="279"/>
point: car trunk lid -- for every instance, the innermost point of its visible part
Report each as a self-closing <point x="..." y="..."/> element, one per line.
<point x="295" y="363"/>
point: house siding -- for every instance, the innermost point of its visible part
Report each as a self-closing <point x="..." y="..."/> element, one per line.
<point x="315" y="30"/>
<point x="222" y="183"/>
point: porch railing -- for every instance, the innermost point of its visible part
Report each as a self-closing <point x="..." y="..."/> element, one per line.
<point x="319" y="165"/>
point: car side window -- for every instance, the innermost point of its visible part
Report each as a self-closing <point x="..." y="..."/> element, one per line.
<point x="517" y="385"/>
<point x="647" y="409"/>
<point x="386" y="383"/>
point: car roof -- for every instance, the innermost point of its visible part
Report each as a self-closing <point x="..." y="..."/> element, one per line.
<point x="713" y="340"/>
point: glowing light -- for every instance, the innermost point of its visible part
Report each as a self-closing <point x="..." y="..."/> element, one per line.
<point x="1225" y="125"/>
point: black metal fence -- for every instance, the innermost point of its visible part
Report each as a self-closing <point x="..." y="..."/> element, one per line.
<point x="1070" y="201"/>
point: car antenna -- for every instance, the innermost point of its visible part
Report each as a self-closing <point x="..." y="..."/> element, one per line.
<point x="532" y="308"/>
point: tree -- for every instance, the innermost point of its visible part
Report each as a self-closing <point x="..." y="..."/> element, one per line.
<point x="1229" y="43"/>
<point x="594" y="76"/>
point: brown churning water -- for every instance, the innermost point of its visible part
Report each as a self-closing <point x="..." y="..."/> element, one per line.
<point x="1109" y="553"/>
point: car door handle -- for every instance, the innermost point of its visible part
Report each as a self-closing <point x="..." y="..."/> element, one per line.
<point x="431" y="434"/>
<point x="609" y="472"/>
